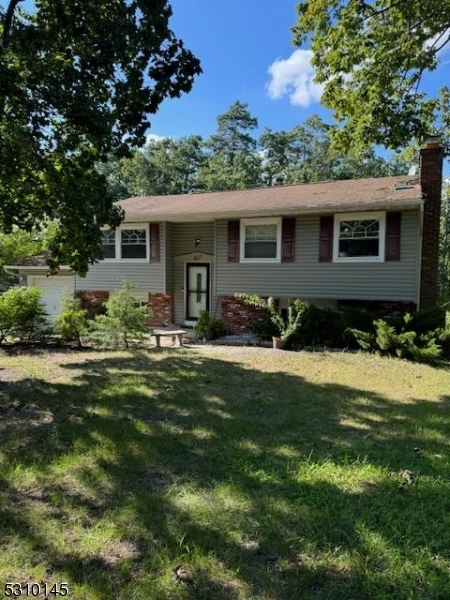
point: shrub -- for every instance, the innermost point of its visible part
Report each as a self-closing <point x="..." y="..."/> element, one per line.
<point x="319" y="326"/>
<point x="71" y="323"/>
<point x="285" y="328"/>
<point x="208" y="327"/>
<point x="400" y="340"/>
<point x="264" y="328"/>
<point x="124" y="319"/>
<point x="22" y="313"/>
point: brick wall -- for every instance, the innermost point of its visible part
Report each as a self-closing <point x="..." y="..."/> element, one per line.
<point x="431" y="181"/>
<point x="236" y="315"/>
<point x="161" y="306"/>
<point x="93" y="301"/>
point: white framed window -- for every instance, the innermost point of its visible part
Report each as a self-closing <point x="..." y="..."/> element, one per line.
<point x="260" y="240"/>
<point x="109" y="244"/>
<point x="359" y="237"/>
<point x="129" y="242"/>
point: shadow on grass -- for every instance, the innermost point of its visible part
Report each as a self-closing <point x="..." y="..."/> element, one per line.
<point x="260" y="485"/>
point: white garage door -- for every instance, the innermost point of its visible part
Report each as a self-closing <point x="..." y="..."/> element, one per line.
<point x="54" y="289"/>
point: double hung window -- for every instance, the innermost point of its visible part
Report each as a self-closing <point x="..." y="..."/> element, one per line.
<point x="359" y="237"/>
<point x="260" y="240"/>
<point x="130" y="242"/>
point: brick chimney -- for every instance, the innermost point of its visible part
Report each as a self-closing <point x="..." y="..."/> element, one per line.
<point x="431" y="183"/>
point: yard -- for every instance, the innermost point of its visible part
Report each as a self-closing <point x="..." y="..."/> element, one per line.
<point x="224" y="473"/>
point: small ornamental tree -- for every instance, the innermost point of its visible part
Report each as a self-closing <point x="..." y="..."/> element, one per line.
<point x="124" y="319"/>
<point x="22" y="312"/>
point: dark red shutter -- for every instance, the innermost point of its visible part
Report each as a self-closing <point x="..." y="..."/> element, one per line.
<point x="155" y="246"/>
<point x="393" y="229"/>
<point x="233" y="241"/>
<point x="288" y="240"/>
<point x="326" y="239"/>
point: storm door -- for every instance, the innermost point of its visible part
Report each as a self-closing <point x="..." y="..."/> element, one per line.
<point x="197" y="286"/>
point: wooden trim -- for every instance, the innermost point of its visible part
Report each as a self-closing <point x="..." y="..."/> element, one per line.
<point x="155" y="243"/>
<point x="233" y="241"/>
<point x="326" y="239"/>
<point x="393" y="236"/>
<point x="288" y="240"/>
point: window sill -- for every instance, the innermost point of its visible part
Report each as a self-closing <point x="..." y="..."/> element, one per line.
<point x="270" y="261"/>
<point x="125" y="260"/>
<point x="359" y="259"/>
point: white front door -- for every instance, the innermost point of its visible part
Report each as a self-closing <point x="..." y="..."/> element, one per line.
<point x="197" y="286"/>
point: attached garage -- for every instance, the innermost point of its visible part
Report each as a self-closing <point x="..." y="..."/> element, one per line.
<point x="55" y="288"/>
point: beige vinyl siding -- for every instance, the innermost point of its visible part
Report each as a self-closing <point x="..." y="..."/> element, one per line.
<point x="307" y="278"/>
<point x="108" y="276"/>
<point x="184" y="236"/>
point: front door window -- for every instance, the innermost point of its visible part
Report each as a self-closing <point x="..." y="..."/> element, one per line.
<point x="197" y="276"/>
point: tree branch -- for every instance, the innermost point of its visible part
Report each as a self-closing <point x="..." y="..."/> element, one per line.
<point x="9" y="15"/>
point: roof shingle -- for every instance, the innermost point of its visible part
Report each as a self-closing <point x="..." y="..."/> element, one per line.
<point x="289" y="198"/>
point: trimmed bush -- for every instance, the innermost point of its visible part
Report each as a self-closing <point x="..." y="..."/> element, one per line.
<point x="208" y="327"/>
<point x="22" y="313"/>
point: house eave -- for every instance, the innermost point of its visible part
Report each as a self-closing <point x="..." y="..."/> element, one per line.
<point x="11" y="269"/>
<point x="385" y="204"/>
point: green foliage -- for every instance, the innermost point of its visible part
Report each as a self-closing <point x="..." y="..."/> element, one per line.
<point x="229" y="160"/>
<point x="77" y="83"/>
<point x="263" y="328"/>
<point x="22" y="312"/>
<point x="444" y="253"/>
<point x="208" y="327"/>
<point x="71" y="323"/>
<point x="124" y="319"/>
<point x="284" y="328"/>
<point x="370" y="58"/>
<point x="233" y="162"/>
<point x="21" y="244"/>
<point x="401" y="340"/>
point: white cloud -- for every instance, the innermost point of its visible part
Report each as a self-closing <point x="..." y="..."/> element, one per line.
<point x="293" y="77"/>
<point x="437" y="41"/>
<point x="153" y="137"/>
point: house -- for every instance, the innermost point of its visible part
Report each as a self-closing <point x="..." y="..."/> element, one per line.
<point x="366" y="241"/>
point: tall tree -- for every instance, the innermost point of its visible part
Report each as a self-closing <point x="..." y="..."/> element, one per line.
<point x="305" y="154"/>
<point x="371" y="56"/>
<point x="174" y="164"/>
<point x="77" y="83"/>
<point x="233" y="162"/>
<point x="444" y="255"/>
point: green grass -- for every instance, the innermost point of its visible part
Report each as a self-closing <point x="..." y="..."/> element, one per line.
<point x="225" y="474"/>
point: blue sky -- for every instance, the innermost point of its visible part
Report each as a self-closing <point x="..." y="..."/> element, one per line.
<point x="247" y="54"/>
<point x="237" y="42"/>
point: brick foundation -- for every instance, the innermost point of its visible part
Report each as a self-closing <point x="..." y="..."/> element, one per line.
<point x="161" y="306"/>
<point x="93" y="301"/>
<point x="236" y="315"/>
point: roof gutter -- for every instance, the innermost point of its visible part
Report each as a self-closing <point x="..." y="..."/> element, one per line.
<point x="322" y="209"/>
<point x="11" y="268"/>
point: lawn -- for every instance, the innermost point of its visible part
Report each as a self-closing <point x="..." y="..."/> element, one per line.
<point x="224" y="473"/>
